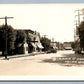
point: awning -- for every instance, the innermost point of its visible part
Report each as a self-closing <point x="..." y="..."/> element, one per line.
<point x="20" y="45"/>
<point x="33" y="45"/>
<point x="40" y="46"/>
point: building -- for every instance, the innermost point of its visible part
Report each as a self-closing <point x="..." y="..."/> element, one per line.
<point x="22" y="48"/>
<point x="54" y="45"/>
<point x="67" y="46"/>
<point x="31" y="43"/>
<point x="35" y="42"/>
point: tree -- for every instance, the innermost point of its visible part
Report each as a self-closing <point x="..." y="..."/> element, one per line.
<point x="20" y="37"/>
<point x="74" y="45"/>
<point x="46" y="43"/>
<point x="10" y="39"/>
<point x="81" y="34"/>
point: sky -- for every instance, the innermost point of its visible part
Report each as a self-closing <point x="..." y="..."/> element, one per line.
<point x="53" y="20"/>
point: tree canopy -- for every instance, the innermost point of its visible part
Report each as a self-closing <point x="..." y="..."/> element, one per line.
<point x="46" y="43"/>
<point x="10" y="38"/>
<point x="20" y="37"/>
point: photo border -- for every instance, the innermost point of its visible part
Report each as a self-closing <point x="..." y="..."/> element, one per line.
<point x="29" y="79"/>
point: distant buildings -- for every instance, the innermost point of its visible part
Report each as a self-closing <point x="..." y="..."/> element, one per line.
<point x="54" y="45"/>
<point x="67" y="46"/>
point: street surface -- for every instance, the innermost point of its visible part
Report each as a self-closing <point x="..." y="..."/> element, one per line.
<point x="40" y="65"/>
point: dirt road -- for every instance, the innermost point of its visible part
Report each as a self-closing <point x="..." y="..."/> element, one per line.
<point x="39" y="65"/>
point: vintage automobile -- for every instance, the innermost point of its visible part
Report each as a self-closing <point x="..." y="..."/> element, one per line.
<point x="52" y="50"/>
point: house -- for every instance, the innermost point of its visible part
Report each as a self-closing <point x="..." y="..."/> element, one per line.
<point x="31" y="44"/>
<point x="35" y="42"/>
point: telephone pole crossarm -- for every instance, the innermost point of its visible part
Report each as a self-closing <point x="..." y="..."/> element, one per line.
<point x="6" y="17"/>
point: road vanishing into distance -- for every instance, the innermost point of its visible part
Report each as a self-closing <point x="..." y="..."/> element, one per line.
<point x="42" y="65"/>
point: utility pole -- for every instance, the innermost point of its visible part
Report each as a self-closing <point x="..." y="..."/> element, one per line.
<point x="80" y="12"/>
<point x="78" y="21"/>
<point x="75" y="31"/>
<point x="78" y="16"/>
<point x="6" y="34"/>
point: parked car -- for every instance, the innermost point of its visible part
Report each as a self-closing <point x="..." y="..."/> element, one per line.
<point x="52" y="50"/>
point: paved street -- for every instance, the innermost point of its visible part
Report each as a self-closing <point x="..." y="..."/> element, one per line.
<point x="41" y="65"/>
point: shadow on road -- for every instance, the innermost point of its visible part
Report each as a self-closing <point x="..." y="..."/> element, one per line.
<point x="67" y="60"/>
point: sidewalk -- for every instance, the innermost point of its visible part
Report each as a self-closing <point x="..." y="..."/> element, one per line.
<point x="21" y="55"/>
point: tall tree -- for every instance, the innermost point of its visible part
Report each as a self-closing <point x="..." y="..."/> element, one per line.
<point x="20" y="38"/>
<point x="81" y="34"/>
<point x="46" y="43"/>
<point x="10" y="39"/>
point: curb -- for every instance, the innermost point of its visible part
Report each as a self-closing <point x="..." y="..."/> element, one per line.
<point x="21" y="55"/>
